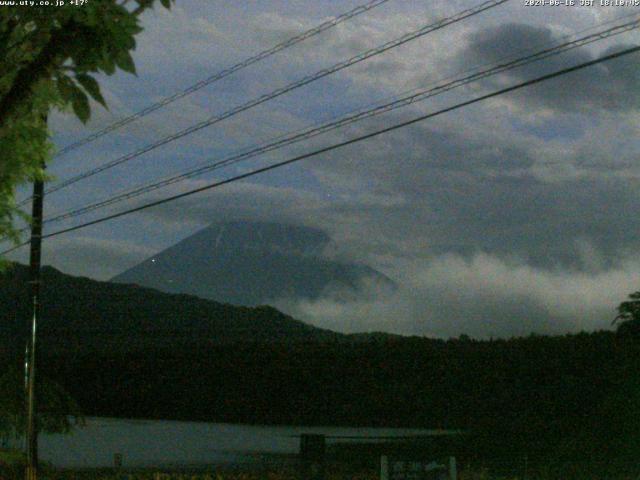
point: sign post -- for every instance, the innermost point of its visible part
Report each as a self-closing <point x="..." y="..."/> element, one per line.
<point x="312" y="456"/>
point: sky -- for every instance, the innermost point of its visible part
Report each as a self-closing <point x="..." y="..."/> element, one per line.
<point x="512" y="216"/>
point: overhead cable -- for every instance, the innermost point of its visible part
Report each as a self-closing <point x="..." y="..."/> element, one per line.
<point x="336" y="146"/>
<point x="223" y="74"/>
<point x="283" y="90"/>
<point x="308" y="133"/>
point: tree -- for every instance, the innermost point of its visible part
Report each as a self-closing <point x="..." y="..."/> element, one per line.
<point x="58" y="411"/>
<point x="629" y="316"/>
<point x="47" y="60"/>
<point x="58" y="414"/>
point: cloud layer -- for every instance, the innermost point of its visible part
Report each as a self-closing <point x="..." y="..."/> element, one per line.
<point x="511" y="216"/>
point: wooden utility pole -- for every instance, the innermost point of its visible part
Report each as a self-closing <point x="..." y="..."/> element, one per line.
<point x="31" y="431"/>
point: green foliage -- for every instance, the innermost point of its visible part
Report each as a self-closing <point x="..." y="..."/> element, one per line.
<point x="47" y="60"/>
<point x="91" y="87"/>
<point x="629" y="316"/>
<point x="24" y="146"/>
<point x="12" y="464"/>
<point x="55" y="406"/>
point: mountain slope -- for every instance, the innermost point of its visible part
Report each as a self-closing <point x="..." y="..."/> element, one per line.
<point x="252" y="263"/>
<point x="76" y="309"/>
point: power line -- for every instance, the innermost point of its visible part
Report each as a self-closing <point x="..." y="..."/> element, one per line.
<point x="415" y="96"/>
<point x="224" y="73"/>
<point x="336" y="146"/>
<point x="308" y="133"/>
<point x="281" y="91"/>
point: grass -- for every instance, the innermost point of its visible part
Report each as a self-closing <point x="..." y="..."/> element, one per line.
<point x="12" y="468"/>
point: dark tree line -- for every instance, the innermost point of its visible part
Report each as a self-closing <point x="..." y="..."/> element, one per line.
<point x="570" y="404"/>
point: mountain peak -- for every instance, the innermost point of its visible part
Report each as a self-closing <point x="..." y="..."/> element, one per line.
<point x="251" y="263"/>
<point x="263" y="236"/>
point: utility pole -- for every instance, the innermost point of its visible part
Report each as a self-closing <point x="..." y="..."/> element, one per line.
<point x="31" y="435"/>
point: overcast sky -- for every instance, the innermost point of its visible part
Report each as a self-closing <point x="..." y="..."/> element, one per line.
<point x="515" y="215"/>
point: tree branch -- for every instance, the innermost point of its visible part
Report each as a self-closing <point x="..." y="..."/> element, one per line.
<point x="30" y="75"/>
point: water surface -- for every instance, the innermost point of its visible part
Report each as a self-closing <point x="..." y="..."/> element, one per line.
<point x="154" y="443"/>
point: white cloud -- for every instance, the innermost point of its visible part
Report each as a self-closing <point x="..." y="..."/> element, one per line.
<point x="482" y="296"/>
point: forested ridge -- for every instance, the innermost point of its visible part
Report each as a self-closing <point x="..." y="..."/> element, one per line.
<point x="552" y="398"/>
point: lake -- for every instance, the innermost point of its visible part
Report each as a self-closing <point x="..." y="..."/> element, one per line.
<point x="154" y="443"/>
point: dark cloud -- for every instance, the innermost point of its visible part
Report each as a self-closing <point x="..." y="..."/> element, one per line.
<point x="603" y="87"/>
<point x="506" y="217"/>
<point x="540" y="222"/>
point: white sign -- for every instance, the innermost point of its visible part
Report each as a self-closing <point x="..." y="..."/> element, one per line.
<point x="399" y="469"/>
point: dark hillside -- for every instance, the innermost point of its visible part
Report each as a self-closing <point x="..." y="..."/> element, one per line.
<point x="79" y="311"/>
<point x="126" y="351"/>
